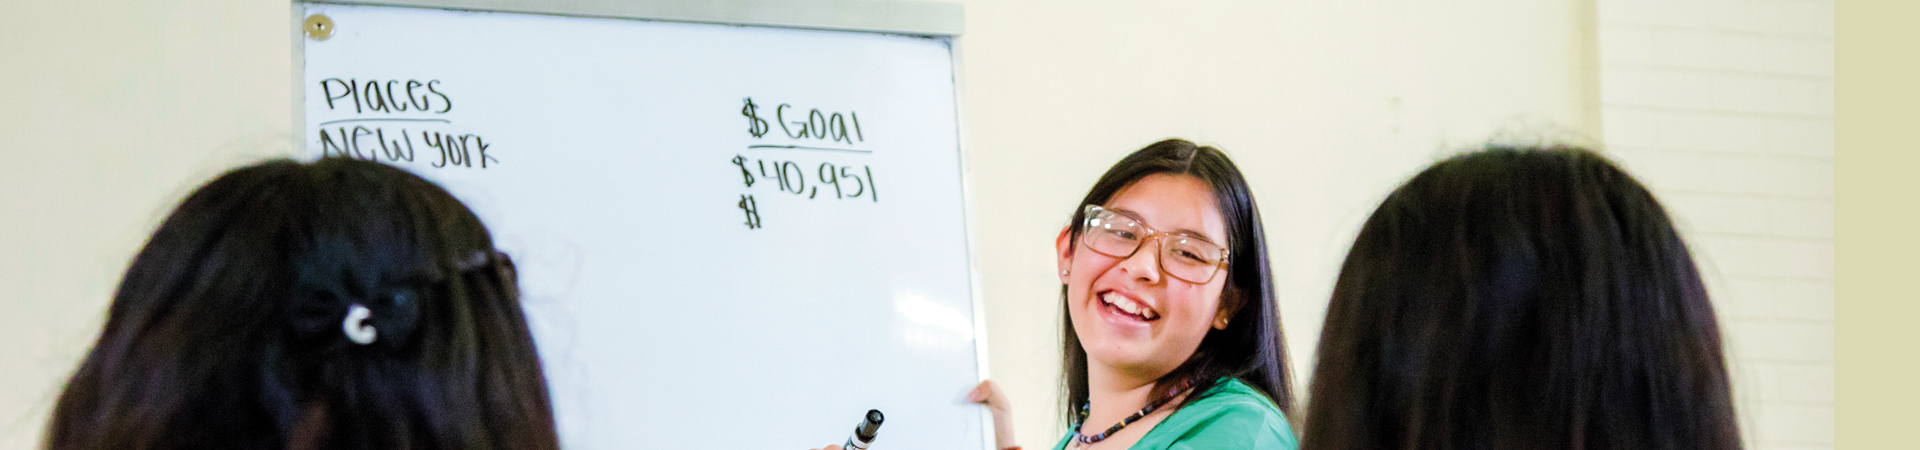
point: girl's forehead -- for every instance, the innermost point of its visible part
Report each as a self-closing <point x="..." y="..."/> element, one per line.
<point x="1175" y="203"/>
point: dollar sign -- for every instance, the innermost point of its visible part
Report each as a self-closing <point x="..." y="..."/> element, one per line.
<point x="752" y="209"/>
<point x="755" y="124"/>
<point x="742" y="162"/>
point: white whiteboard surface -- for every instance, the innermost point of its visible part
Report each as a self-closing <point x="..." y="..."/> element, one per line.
<point x="610" y="159"/>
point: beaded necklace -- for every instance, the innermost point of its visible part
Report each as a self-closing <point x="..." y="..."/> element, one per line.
<point x="1084" y="439"/>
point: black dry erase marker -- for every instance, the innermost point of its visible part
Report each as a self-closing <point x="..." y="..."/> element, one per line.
<point x="864" y="433"/>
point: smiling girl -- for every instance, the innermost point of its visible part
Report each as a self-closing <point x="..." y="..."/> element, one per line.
<point x="1172" y="336"/>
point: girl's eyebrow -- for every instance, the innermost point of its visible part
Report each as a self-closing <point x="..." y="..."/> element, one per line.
<point x="1143" y="222"/>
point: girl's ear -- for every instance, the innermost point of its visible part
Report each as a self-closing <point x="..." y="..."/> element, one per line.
<point x="1064" y="246"/>
<point x="1229" y="304"/>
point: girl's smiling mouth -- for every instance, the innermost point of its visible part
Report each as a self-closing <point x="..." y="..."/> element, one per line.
<point x="1126" y="306"/>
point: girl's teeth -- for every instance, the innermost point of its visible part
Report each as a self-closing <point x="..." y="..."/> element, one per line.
<point x="1131" y="307"/>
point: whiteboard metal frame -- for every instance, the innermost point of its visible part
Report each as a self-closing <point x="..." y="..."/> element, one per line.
<point x="899" y="17"/>
<point x="973" y="237"/>
<point x="917" y="18"/>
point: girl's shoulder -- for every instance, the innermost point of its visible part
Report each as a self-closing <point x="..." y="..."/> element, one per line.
<point x="1232" y="416"/>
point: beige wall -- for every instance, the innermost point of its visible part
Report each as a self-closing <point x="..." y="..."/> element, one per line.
<point x="1726" y="109"/>
<point x="1325" y="105"/>
<point x="115" y="108"/>
<point x="111" y="110"/>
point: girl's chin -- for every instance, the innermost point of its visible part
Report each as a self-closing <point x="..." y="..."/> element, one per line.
<point x="1123" y="357"/>
<point x="1141" y="371"/>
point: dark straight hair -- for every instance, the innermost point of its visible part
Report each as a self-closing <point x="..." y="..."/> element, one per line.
<point x="227" y="330"/>
<point x="1252" y="348"/>
<point x="1520" y="298"/>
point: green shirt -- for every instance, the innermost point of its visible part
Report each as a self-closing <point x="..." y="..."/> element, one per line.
<point x="1234" y="417"/>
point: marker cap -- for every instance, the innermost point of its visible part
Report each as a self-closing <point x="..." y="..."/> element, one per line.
<point x="869" y="427"/>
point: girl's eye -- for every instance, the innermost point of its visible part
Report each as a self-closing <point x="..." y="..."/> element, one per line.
<point x="1124" y="234"/>
<point x="1191" y="254"/>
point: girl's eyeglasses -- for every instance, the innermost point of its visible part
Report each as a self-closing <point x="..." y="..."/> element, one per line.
<point x="1184" y="256"/>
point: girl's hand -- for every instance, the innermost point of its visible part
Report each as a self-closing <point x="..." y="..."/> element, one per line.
<point x="989" y="394"/>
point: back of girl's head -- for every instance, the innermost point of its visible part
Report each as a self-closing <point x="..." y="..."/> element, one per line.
<point x="1520" y="299"/>
<point x="228" y="330"/>
<point x="1252" y="348"/>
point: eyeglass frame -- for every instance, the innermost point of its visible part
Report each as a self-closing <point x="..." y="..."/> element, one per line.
<point x="1086" y="231"/>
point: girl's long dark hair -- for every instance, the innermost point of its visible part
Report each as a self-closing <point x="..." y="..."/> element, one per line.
<point x="1252" y="348"/>
<point x="1520" y="298"/>
<point x="226" y="331"/>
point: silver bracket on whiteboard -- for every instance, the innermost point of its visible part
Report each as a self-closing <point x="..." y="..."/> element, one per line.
<point x="902" y="17"/>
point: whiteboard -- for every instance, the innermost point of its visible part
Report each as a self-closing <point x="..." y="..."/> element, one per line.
<point x="728" y="236"/>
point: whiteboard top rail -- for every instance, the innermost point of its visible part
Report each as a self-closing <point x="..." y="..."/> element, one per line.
<point x="902" y="17"/>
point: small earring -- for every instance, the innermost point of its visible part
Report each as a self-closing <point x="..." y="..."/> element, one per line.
<point x="1063" y="272"/>
<point x="356" y="327"/>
